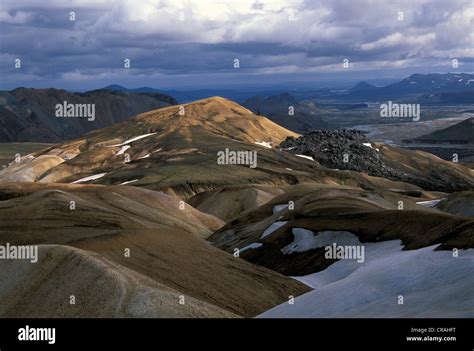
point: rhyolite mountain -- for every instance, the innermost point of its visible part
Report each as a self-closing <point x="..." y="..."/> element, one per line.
<point x="168" y="151"/>
<point x="153" y="184"/>
<point x="175" y="149"/>
<point x="169" y="258"/>
<point x="28" y="114"/>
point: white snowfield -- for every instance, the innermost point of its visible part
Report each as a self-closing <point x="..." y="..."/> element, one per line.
<point x="304" y="156"/>
<point x="266" y="144"/>
<point x="272" y="228"/>
<point x="430" y="203"/>
<point x="432" y="283"/>
<point x="133" y="139"/>
<point x="89" y="178"/>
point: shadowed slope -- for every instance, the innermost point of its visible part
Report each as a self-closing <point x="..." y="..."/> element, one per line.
<point x="147" y="232"/>
<point x="372" y="216"/>
<point x="100" y="287"/>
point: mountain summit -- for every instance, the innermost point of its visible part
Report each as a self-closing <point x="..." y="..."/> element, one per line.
<point x="363" y="86"/>
<point x="160" y="145"/>
<point x="176" y="148"/>
<point x="217" y="116"/>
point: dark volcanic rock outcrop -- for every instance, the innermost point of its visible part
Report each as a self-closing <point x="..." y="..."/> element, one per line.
<point x="352" y="150"/>
<point x="329" y="148"/>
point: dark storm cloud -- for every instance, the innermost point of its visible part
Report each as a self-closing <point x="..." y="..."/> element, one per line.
<point x="294" y="39"/>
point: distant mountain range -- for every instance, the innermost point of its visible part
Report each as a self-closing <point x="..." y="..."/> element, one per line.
<point x="435" y="83"/>
<point x="427" y="88"/>
<point x="192" y="95"/>
<point x="29" y="114"/>
<point x="449" y="88"/>
<point x="116" y="87"/>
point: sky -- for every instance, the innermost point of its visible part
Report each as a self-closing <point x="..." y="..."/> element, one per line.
<point x="194" y="44"/>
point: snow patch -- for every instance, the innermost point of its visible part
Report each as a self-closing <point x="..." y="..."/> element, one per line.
<point x="132" y="140"/>
<point x="251" y="246"/>
<point x="430" y="203"/>
<point x="92" y="177"/>
<point x="279" y="208"/>
<point x="304" y="156"/>
<point x="370" y="145"/>
<point x="272" y="228"/>
<point x="123" y="149"/>
<point x="306" y="240"/>
<point x="129" y="181"/>
<point x="267" y="144"/>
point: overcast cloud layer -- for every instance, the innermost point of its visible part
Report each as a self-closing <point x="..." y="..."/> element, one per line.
<point x="191" y="44"/>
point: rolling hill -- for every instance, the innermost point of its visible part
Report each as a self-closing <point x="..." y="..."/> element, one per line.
<point x="168" y="257"/>
<point x="157" y="149"/>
